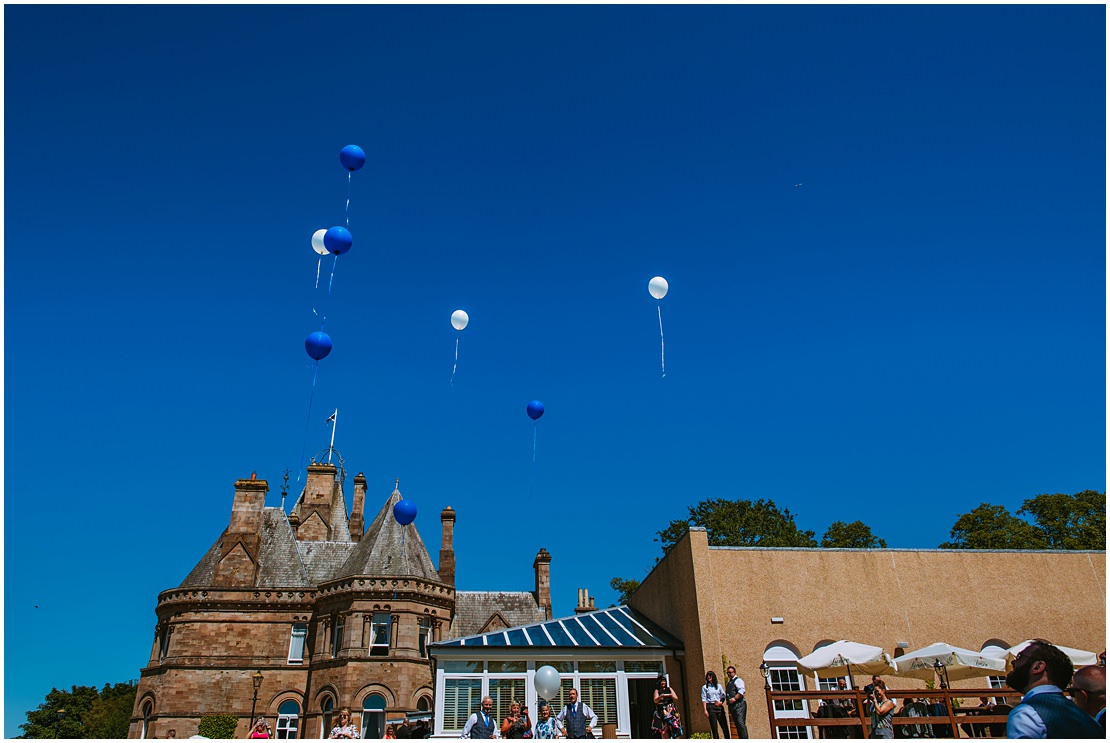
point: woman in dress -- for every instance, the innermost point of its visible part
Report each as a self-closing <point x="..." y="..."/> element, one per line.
<point x="548" y="728"/>
<point x="345" y="728"/>
<point x="882" y="717"/>
<point x="516" y="724"/>
<point x="665" y="721"/>
<point x="261" y="729"/>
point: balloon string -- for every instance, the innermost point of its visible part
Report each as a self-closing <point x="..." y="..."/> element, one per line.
<point x="333" y="274"/>
<point x="662" y="362"/>
<point x="347" y="211"/>
<point x="318" y="261"/>
<point x="304" y="442"/>
<point x="456" y="366"/>
<point x="535" y="430"/>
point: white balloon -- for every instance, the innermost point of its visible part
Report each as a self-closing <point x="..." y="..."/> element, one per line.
<point x="547" y="682"/>
<point x="318" y="242"/>
<point x="658" y="287"/>
<point x="459" y="319"/>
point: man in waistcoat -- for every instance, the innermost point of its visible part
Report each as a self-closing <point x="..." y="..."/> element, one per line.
<point x="481" y="724"/>
<point x="737" y="705"/>
<point x="1041" y="672"/>
<point x="577" y="718"/>
<point x="1088" y="690"/>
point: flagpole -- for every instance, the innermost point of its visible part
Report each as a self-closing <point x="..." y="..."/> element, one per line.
<point x="334" y="423"/>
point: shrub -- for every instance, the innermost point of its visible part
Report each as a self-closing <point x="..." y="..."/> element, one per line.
<point x="218" y="726"/>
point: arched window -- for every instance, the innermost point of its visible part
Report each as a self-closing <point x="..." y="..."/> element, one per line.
<point x="288" y="713"/>
<point x="782" y="661"/>
<point x="424" y="704"/>
<point x="327" y="707"/>
<point x="148" y="709"/>
<point x="373" y="716"/>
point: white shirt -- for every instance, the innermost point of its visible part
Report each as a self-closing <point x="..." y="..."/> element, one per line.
<point x="739" y="686"/>
<point x="1024" y="722"/>
<point x="712" y="694"/>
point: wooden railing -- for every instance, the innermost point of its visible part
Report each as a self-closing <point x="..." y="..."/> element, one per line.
<point x="955" y="714"/>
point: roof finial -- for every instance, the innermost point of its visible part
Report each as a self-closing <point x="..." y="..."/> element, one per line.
<point x="397" y="484"/>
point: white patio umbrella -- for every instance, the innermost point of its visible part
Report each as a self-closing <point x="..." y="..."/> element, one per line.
<point x="843" y="658"/>
<point x="958" y="663"/>
<point x="1079" y="658"/>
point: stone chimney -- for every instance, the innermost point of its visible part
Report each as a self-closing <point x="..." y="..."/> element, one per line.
<point x="316" y="503"/>
<point x="358" y="508"/>
<point x="447" y="548"/>
<point x="241" y="542"/>
<point x="542" y="566"/>
<point x="585" y="602"/>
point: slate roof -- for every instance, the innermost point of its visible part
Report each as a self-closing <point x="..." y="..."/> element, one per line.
<point x="389" y="549"/>
<point x="279" y="564"/>
<point x="474" y="608"/>
<point x="617" y="627"/>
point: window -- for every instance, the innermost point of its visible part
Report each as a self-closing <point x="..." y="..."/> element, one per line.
<point x="507" y="666"/>
<point x="461" y="697"/>
<point x="597" y="666"/>
<point x="164" y="642"/>
<point x="425" y="635"/>
<point x="424" y="704"/>
<point x="373" y="715"/>
<point x="326" y="709"/>
<point x="505" y="691"/>
<point x="288" y="713"/>
<point x="462" y="666"/>
<point x="379" y="635"/>
<point x="784" y="676"/>
<point x="601" y="696"/>
<point x="296" y="644"/>
<point x="337" y="636"/>
<point x="639" y="666"/>
<point x="148" y="708"/>
<point x="565" y="685"/>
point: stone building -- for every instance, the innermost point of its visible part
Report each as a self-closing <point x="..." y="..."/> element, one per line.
<point x="330" y="614"/>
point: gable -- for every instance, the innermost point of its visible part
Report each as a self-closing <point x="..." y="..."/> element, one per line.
<point x="313" y="528"/>
<point x="494" y="623"/>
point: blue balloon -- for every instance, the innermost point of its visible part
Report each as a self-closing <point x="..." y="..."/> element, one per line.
<point x="338" y="240"/>
<point x="318" y="345"/>
<point x="535" y="409"/>
<point x="405" y="512"/>
<point x="352" y="157"/>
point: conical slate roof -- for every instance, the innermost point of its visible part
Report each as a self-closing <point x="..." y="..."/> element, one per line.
<point x="381" y="552"/>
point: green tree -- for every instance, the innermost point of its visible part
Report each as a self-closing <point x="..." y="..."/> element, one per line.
<point x="856" y="535"/>
<point x="110" y="715"/>
<point x="624" y="588"/>
<point x="219" y="727"/>
<point x="1070" y="522"/>
<point x="739" y="523"/>
<point x="990" y="527"/>
<point x="60" y="716"/>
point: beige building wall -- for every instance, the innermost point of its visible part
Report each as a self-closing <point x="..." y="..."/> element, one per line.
<point x="720" y="602"/>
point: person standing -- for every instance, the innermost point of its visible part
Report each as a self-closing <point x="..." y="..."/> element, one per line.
<point x="516" y="724"/>
<point x="548" y="728"/>
<point x="577" y="718"/>
<point x="1040" y="673"/>
<point x="713" y="701"/>
<point x="665" y="721"/>
<point x="481" y="724"/>
<point x="261" y="729"/>
<point x="344" y="727"/>
<point x="882" y="718"/>
<point x="737" y="704"/>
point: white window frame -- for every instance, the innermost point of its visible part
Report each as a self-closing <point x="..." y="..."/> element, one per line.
<point x="783" y="664"/>
<point x="424" y="635"/>
<point x="337" y="635"/>
<point x="327" y="710"/>
<point x="298" y="635"/>
<point x="375" y="635"/>
<point x="288" y="725"/>
<point x="367" y="711"/>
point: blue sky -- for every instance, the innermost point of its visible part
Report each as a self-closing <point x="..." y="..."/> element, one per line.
<point x="918" y="328"/>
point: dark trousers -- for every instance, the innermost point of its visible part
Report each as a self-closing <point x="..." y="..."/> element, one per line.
<point x="739" y="713"/>
<point x="717" y="716"/>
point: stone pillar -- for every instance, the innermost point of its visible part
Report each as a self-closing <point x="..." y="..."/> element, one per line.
<point x="447" y="548"/>
<point x="358" y="508"/>
<point x="542" y="566"/>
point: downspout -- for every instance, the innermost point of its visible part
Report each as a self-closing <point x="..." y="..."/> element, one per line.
<point x="682" y="685"/>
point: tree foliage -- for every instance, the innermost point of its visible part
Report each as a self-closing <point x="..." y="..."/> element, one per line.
<point x="219" y="727"/>
<point x="990" y="527"/>
<point x="856" y="535"/>
<point x="1059" y="522"/>
<point x="624" y="588"/>
<point x="82" y="712"/>
<point x="739" y="523"/>
<point x="1069" y="522"/>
